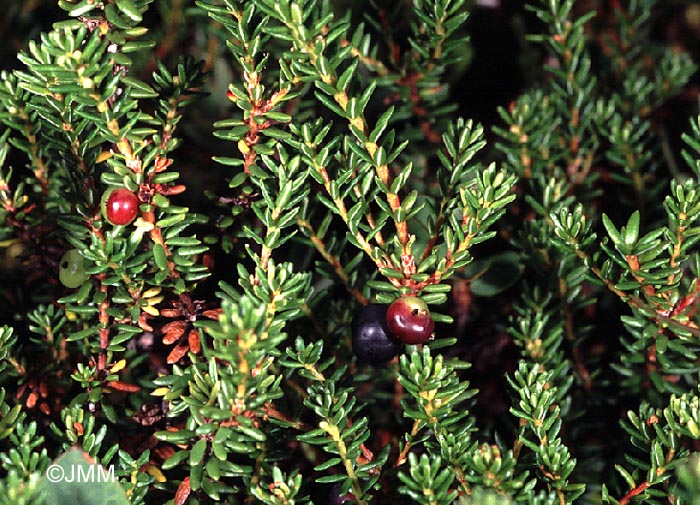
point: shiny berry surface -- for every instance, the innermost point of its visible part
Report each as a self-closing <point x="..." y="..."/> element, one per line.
<point x="121" y="207"/>
<point x="409" y="321"/>
<point x="71" y="269"/>
<point x="371" y="341"/>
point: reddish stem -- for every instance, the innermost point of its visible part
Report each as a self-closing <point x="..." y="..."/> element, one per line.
<point x="634" y="492"/>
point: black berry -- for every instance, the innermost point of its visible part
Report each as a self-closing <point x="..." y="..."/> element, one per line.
<point x="371" y="340"/>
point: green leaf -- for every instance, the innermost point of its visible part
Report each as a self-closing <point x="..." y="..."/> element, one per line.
<point x="78" y="10"/>
<point x="175" y="460"/>
<point x="612" y="230"/>
<point x="129" y="8"/>
<point x="197" y="453"/>
<point x="278" y="116"/>
<point x="79" y="335"/>
<point x="139" y="89"/>
<point x="113" y="17"/>
<point x="493" y="275"/>
<point x="159" y="256"/>
<point x="631" y="231"/>
<point x="174" y="437"/>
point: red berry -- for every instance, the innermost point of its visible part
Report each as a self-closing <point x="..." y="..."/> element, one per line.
<point x="408" y="319"/>
<point x="371" y="341"/>
<point x="121" y="207"/>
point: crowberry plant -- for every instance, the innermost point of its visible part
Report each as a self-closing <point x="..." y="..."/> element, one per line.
<point x="296" y="251"/>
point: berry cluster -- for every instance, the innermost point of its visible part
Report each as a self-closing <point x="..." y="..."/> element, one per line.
<point x="378" y="329"/>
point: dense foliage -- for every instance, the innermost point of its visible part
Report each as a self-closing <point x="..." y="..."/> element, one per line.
<point x="197" y="197"/>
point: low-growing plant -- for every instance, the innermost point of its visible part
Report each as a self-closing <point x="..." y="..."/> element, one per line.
<point x="259" y="251"/>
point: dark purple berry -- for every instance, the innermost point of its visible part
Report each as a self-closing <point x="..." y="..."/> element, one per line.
<point x="329" y="494"/>
<point x="371" y="340"/>
<point x="334" y="497"/>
